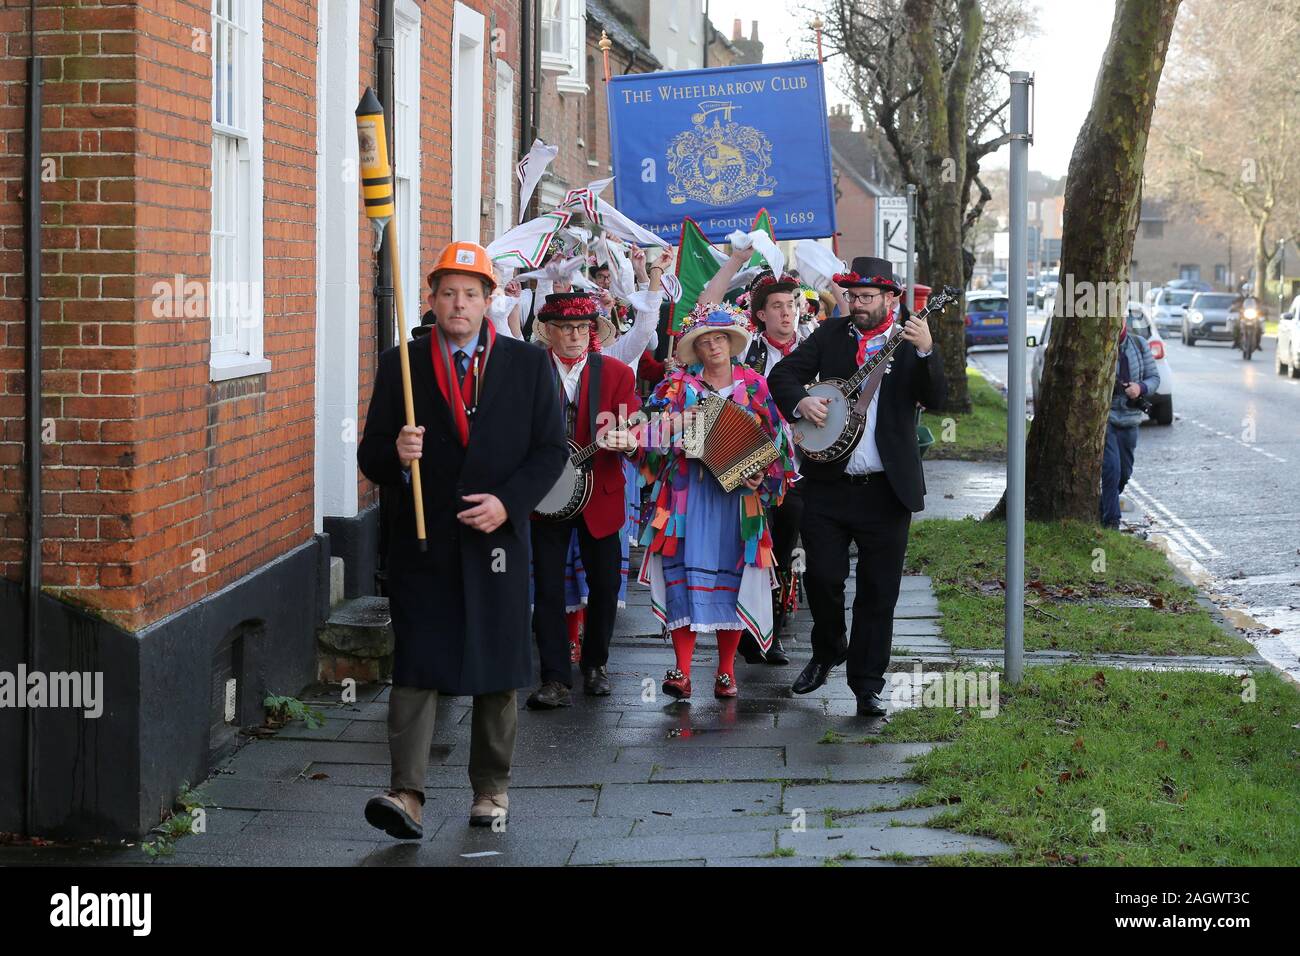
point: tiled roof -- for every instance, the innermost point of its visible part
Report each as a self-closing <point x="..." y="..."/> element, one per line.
<point x="621" y="32"/>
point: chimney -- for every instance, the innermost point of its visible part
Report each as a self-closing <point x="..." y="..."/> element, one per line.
<point x="753" y="31"/>
<point x="735" y="29"/>
<point x="840" y="118"/>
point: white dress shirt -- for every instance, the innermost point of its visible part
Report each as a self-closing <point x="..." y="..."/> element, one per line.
<point x="570" y="376"/>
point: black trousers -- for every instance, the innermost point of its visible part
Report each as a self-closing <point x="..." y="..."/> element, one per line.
<point x="602" y="560"/>
<point x="871" y="515"/>
<point x="785" y="520"/>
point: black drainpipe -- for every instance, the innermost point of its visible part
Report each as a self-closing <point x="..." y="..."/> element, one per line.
<point x="525" y="82"/>
<point x="32" y="189"/>
<point x="384" y="46"/>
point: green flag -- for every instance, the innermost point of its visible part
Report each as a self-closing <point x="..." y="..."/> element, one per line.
<point x="761" y="221"/>
<point x="697" y="263"/>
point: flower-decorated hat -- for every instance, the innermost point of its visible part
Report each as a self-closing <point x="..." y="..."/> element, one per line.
<point x="713" y="318"/>
<point x="869" y="271"/>
<point x="766" y="283"/>
<point x="573" y="306"/>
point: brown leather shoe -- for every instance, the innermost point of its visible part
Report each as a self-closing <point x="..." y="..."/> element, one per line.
<point x="397" y="813"/>
<point x="487" y="808"/>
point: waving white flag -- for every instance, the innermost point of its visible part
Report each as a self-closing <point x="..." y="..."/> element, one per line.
<point x="530" y="169"/>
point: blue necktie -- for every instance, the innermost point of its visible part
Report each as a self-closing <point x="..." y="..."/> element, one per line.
<point x="462" y="361"/>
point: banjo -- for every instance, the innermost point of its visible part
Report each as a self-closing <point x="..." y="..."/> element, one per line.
<point x="572" y="490"/>
<point x="844" y="422"/>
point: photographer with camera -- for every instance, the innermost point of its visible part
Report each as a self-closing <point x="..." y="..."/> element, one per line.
<point x="1136" y="377"/>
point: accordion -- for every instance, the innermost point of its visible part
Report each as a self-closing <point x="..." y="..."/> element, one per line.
<point x="728" y="441"/>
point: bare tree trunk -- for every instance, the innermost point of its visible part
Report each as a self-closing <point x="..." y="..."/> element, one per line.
<point x="945" y="173"/>
<point x="1102" y="198"/>
<point x="1263" y="256"/>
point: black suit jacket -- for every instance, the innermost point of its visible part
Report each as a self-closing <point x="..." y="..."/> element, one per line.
<point x="460" y="610"/>
<point x="830" y="352"/>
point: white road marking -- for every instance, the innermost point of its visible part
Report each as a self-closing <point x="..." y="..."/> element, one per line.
<point x="1235" y="440"/>
<point x="1179" y="524"/>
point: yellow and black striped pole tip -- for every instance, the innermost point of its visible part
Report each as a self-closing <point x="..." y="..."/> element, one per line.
<point x="376" y="173"/>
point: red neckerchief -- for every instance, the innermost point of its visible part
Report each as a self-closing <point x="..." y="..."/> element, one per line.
<point x="871" y="333"/>
<point x="462" y="405"/>
<point x="783" y="349"/>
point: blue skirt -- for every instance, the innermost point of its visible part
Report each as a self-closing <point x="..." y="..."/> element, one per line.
<point x="702" y="580"/>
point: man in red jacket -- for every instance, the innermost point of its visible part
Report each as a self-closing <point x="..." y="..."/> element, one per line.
<point x="597" y="394"/>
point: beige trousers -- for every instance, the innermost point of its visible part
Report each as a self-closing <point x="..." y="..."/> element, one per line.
<point x="411" y="714"/>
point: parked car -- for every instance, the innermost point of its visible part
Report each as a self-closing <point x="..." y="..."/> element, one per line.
<point x="1189" y="285"/>
<point x="1167" y="308"/>
<point x="1288" y="341"/>
<point x="1207" y="318"/>
<point x="997" y="283"/>
<point x="1162" y="402"/>
<point x="1047" y="282"/>
<point x="986" y="318"/>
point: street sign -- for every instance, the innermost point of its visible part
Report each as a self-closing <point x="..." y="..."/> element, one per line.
<point x="891" y="231"/>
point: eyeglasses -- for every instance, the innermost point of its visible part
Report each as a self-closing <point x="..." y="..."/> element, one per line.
<point x="572" y="328"/>
<point x="863" y="297"/>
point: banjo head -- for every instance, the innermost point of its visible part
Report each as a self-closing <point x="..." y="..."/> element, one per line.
<point x="811" y="438"/>
<point x="569" y="494"/>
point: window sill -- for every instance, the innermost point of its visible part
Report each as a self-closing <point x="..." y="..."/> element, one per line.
<point x="551" y="63"/>
<point x="225" y="367"/>
<point x="567" y="84"/>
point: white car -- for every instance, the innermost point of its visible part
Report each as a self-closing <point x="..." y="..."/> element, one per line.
<point x="1168" y="307"/>
<point x="1288" y="341"/>
<point x="1162" y="402"/>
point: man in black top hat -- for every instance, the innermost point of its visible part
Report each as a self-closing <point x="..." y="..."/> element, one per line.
<point x="868" y="496"/>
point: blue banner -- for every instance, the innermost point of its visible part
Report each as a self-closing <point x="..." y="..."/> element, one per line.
<point x="719" y="144"/>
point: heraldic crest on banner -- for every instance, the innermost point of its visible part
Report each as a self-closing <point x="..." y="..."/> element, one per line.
<point x="721" y="163"/>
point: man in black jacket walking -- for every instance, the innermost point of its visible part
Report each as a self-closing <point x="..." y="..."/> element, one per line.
<point x="868" y="496"/>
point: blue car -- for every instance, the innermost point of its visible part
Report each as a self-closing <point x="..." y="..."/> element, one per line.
<point x="986" y="318"/>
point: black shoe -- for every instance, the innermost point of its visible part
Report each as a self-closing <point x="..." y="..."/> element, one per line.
<point x="595" y="681"/>
<point x="870" y="705"/>
<point x="815" y="674"/>
<point x="776" y="654"/>
<point x="749" y="649"/>
<point x="551" y="695"/>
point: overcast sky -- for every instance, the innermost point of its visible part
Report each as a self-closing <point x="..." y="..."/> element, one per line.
<point x="1063" y="58"/>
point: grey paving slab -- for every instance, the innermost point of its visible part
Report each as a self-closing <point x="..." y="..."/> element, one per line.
<point x="647" y="849"/>
<point x="796" y="861"/>
<point x="689" y="799"/>
<point x="474" y="847"/>
<point x="881" y="841"/>
<point x="271" y="849"/>
<point x="721" y="760"/>
<point x="847" y="796"/>
<point x="524" y="801"/>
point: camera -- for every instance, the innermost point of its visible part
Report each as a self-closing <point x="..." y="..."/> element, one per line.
<point x="1141" y="402"/>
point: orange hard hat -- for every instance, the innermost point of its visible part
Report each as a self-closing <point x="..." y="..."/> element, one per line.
<point x="467" y="257"/>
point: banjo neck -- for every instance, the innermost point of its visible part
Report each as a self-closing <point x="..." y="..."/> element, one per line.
<point x="584" y="454"/>
<point x="852" y="383"/>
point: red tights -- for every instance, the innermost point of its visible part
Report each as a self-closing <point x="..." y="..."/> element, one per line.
<point x="684" y="646"/>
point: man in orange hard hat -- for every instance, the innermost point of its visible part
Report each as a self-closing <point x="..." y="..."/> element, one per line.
<point x="487" y="411"/>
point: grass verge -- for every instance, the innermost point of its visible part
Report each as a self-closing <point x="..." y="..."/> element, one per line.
<point x="1120" y="768"/>
<point x="1088" y="589"/>
<point x="978" y="435"/>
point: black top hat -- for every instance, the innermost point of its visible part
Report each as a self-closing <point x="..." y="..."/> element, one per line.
<point x="869" y="271"/>
<point x="568" y="305"/>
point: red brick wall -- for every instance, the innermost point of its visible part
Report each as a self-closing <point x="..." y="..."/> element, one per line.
<point x="855" y="217"/>
<point x="153" y="464"/>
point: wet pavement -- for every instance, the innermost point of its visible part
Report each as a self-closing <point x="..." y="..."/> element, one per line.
<point x="1220" y="488"/>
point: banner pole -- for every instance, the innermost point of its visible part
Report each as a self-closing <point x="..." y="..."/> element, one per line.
<point x="605" y="43"/>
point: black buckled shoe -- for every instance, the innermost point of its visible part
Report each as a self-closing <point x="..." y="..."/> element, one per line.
<point x="870" y="705"/>
<point x="595" y="681"/>
<point x="749" y="649"/>
<point x="550" y="696"/>
<point x="816" y="673"/>
<point x="776" y="654"/>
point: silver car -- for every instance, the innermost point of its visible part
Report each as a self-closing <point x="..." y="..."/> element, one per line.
<point x="1168" y="307"/>
<point x="1207" y="318"/>
<point x="1288" y="342"/>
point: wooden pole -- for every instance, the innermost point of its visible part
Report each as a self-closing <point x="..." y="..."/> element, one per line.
<point x="407" y="397"/>
<point x="605" y="43"/>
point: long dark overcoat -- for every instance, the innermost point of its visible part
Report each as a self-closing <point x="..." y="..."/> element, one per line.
<point x="460" y="610"/>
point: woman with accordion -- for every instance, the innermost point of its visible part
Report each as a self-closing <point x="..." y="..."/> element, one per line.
<point x="708" y="560"/>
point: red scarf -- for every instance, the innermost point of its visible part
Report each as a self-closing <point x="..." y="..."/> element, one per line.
<point x="869" y="334"/>
<point x="783" y="349"/>
<point x="462" y="404"/>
